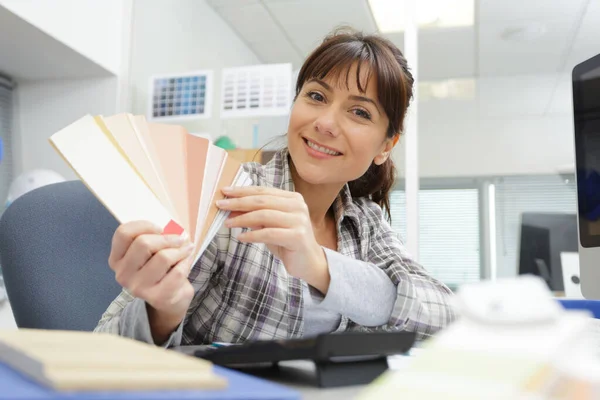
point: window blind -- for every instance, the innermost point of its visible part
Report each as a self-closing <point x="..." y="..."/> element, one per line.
<point x="515" y="195"/>
<point x="449" y="232"/>
<point x="6" y="167"/>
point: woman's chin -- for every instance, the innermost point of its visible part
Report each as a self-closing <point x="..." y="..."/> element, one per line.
<point x="316" y="176"/>
<point x="315" y="173"/>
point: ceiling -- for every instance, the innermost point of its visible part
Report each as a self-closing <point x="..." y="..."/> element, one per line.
<point x="287" y="30"/>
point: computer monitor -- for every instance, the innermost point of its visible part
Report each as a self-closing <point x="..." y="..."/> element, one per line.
<point x="543" y="237"/>
<point x="586" y="117"/>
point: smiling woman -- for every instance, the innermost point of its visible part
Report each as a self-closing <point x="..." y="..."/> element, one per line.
<point x="374" y="87"/>
<point x="307" y="249"/>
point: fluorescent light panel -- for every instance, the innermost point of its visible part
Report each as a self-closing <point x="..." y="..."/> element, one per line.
<point x="389" y="14"/>
<point x="456" y="89"/>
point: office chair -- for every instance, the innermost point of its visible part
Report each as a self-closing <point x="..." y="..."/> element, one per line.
<point x="54" y="247"/>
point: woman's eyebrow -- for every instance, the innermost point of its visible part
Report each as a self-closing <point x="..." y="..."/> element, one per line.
<point x="365" y="99"/>
<point x="351" y="97"/>
<point x="320" y="82"/>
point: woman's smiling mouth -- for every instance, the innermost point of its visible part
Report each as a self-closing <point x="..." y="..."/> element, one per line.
<point x="317" y="148"/>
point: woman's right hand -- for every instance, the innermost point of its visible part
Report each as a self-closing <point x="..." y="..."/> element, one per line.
<point x="154" y="267"/>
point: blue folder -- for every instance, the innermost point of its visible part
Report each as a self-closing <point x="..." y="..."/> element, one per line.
<point x="16" y="386"/>
<point x="592" y="306"/>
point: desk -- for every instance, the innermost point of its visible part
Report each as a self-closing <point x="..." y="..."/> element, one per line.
<point x="298" y="375"/>
<point x="293" y="374"/>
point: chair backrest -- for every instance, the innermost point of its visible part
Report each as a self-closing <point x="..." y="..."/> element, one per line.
<point x="54" y="247"/>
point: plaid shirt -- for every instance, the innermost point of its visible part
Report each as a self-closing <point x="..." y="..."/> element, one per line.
<point x="243" y="293"/>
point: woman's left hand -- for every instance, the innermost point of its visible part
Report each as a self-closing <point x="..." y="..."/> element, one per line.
<point x="280" y="219"/>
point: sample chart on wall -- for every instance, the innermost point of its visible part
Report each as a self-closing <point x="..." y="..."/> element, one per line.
<point x="258" y="90"/>
<point x="181" y="96"/>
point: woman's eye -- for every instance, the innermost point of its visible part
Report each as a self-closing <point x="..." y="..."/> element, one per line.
<point x="316" y="96"/>
<point x="362" y="113"/>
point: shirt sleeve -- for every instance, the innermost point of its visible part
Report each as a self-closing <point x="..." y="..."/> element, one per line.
<point x="358" y="290"/>
<point x="422" y="304"/>
<point x="127" y="315"/>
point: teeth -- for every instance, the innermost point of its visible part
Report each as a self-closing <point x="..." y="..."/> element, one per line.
<point x="322" y="149"/>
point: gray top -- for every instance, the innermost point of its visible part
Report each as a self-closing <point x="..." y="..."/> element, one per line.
<point x="362" y="292"/>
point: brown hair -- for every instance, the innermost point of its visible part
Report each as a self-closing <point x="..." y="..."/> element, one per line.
<point x="335" y="56"/>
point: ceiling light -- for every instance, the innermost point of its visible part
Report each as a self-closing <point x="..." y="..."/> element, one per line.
<point x="389" y="14"/>
<point x="455" y="89"/>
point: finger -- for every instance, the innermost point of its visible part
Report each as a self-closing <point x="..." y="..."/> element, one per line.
<point x="145" y="246"/>
<point x="259" y="202"/>
<point x="273" y="236"/>
<point x="242" y="191"/>
<point x="263" y="218"/>
<point x="159" y="265"/>
<point x="128" y="267"/>
<point x="233" y="214"/>
<point x="169" y="287"/>
<point x="126" y="233"/>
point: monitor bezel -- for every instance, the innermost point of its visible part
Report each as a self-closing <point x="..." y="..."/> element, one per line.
<point x="585" y="239"/>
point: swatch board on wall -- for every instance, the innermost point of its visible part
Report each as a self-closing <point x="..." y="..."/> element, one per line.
<point x="262" y="90"/>
<point x="181" y="96"/>
<point x="257" y="90"/>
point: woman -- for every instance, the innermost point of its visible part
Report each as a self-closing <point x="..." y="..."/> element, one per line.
<point x="307" y="249"/>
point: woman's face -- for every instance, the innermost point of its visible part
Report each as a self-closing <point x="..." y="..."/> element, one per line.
<point x="335" y="131"/>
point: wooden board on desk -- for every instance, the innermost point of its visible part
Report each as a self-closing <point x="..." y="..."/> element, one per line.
<point x="73" y="360"/>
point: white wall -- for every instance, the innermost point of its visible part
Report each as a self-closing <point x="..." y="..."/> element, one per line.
<point x="177" y="37"/>
<point x="98" y="30"/>
<point x="456" y="145"/>
<point x="93" y="28"/>
<point x="44" y="107"/>
<point x="515" y="125"/>
<point x="7" y="320"/>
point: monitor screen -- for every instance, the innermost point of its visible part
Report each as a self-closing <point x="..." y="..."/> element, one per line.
<point x="586" y="113"/>
<point x="534" y="254"/>
<point x="543" y="237"/>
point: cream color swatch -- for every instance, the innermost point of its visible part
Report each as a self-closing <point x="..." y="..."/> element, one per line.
<point x="155" y="172"/>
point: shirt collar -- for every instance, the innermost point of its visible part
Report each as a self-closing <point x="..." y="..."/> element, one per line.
<point x="279" y="174"/>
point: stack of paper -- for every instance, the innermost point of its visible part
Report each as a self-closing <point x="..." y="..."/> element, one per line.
<point x="154" y="172"/>
<point x="72" y="360"/>
<point x="512" y="341"/>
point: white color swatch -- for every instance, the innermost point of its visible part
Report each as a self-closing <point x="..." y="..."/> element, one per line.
<point x="85" y="147"/>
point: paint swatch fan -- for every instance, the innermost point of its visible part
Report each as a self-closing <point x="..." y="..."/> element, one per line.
<point x="149" y="171"/>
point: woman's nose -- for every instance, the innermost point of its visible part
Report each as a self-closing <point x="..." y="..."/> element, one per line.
<point x="327" y="124"/>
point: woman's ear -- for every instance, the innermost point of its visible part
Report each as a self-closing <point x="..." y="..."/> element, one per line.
<point x="387" y="150"/>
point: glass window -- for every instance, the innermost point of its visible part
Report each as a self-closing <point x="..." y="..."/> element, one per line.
<point x="518" y="194"/>
<point x="449" y="236"/>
